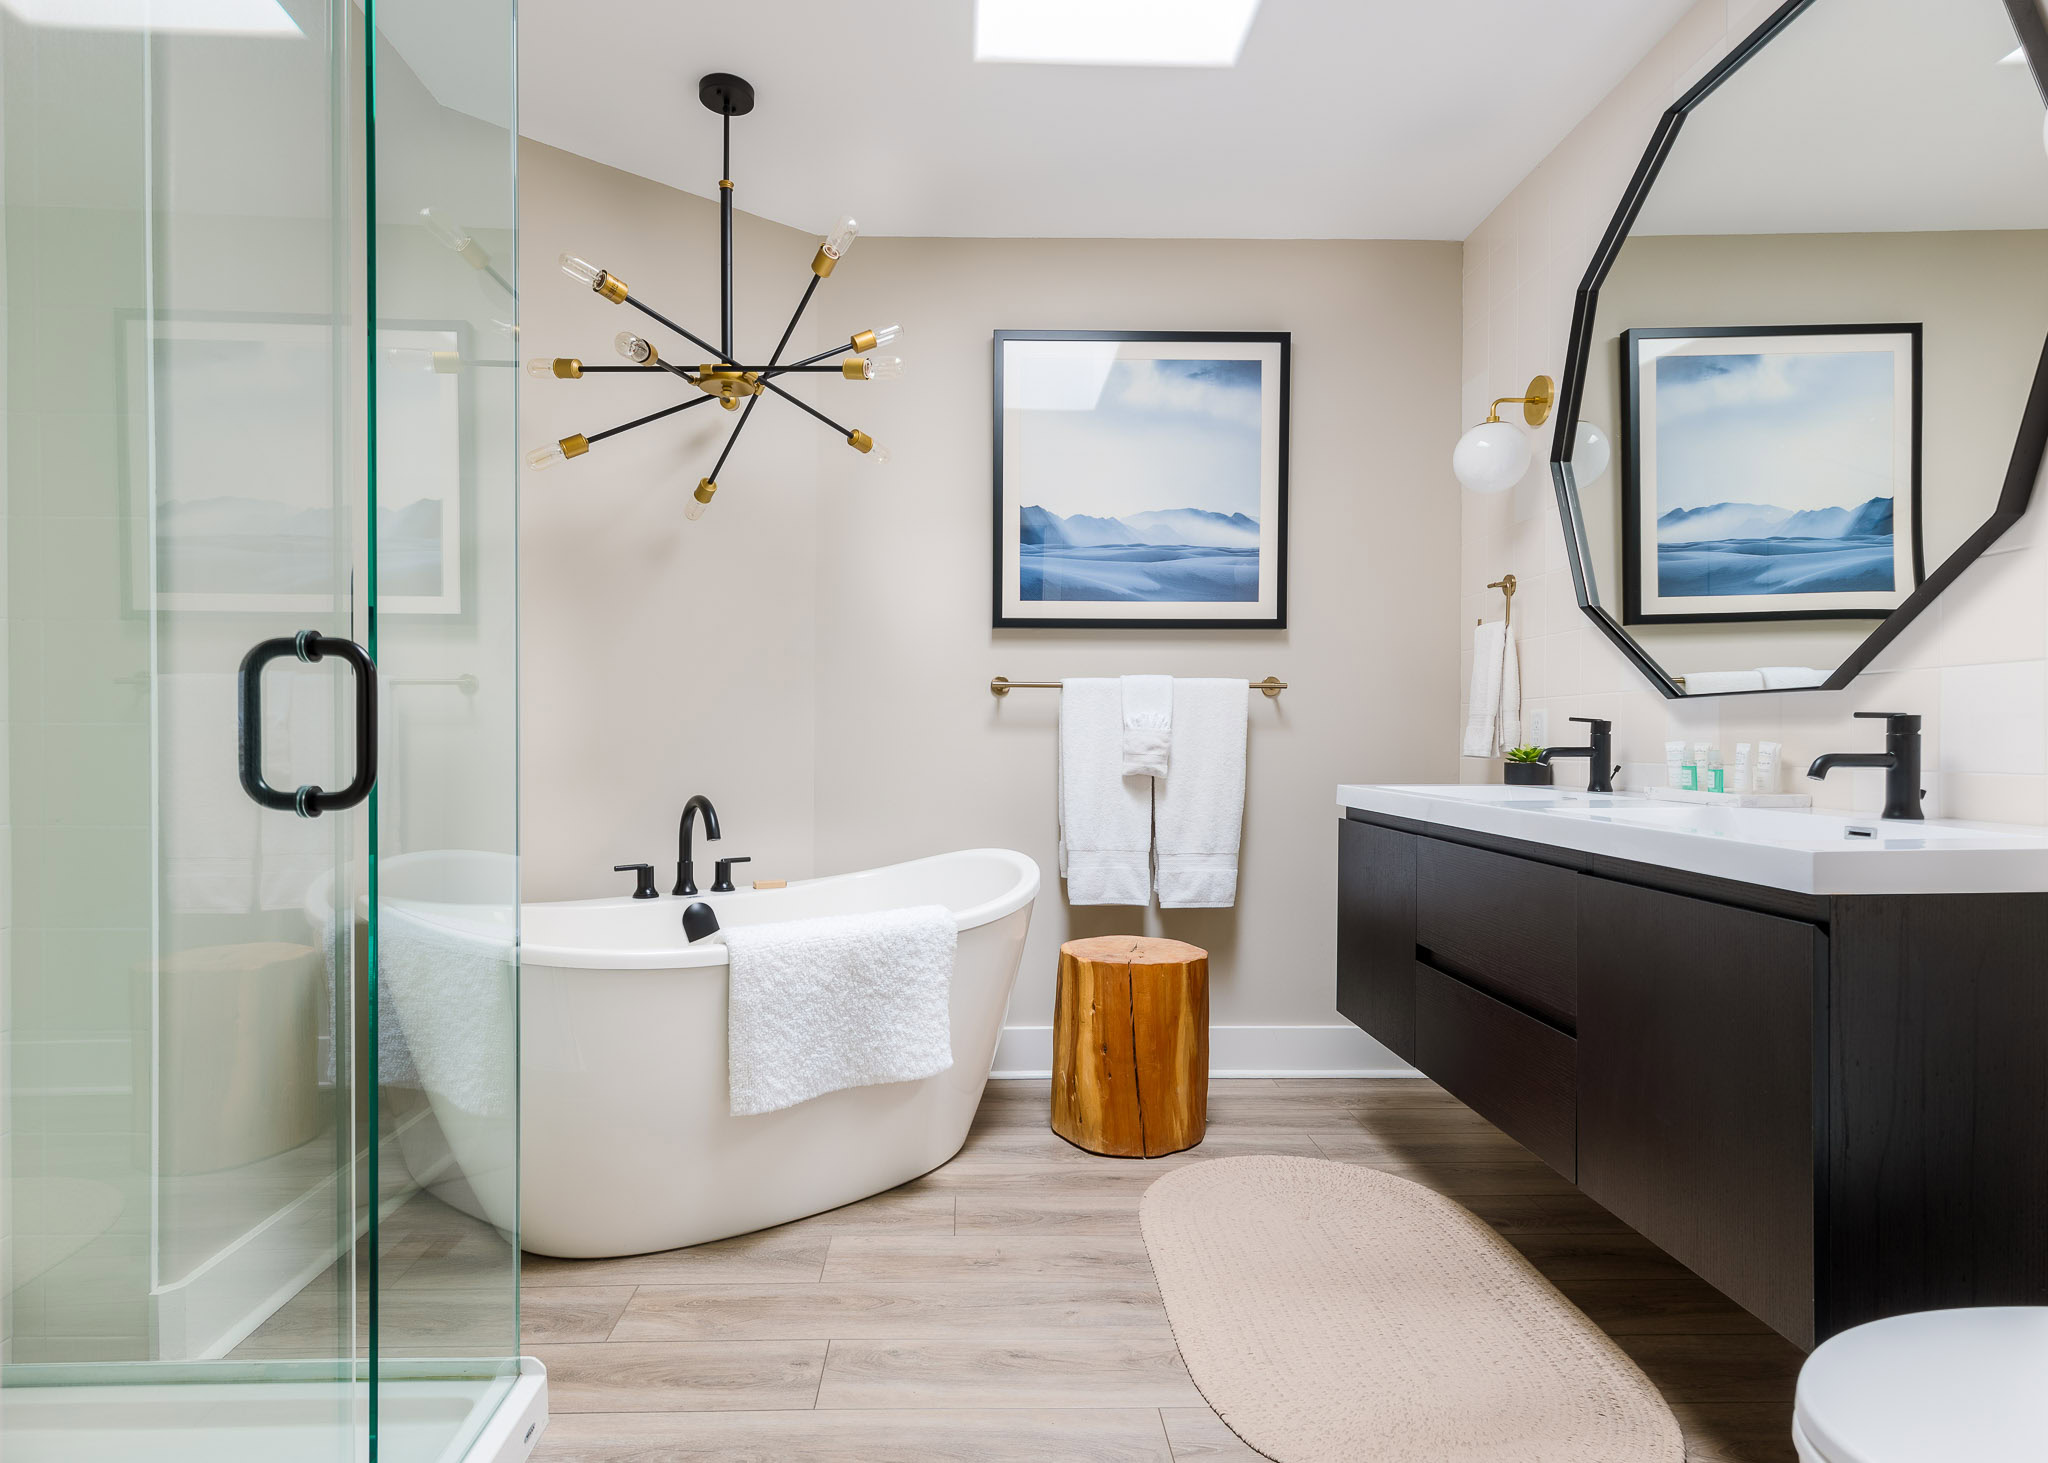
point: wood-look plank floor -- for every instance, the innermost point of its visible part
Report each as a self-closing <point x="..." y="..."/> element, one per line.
<point x="1002" y="1308"/>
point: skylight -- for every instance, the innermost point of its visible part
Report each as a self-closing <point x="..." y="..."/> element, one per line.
<point x="206" y="17"/>
<point x="1113" y="32"/>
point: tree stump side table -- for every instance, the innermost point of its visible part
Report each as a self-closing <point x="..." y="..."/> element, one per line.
<point x="1130" y="1046"/>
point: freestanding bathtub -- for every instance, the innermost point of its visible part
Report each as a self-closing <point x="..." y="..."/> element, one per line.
<point x="626" y="1142"/>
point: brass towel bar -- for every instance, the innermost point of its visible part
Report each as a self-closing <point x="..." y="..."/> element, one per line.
<point x="1003" y="686"/>
<point x="1506" y="585"/>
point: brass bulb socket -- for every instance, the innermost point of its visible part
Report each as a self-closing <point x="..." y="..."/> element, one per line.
<point x="864" y="342"/>
<point x="611" y="287"/>
<point x="822" y="263"/>
<point x="653" y="355"/>
<point x="447" y="363"/>
<point x="472" y="254"/>
<point x="575" y="445"/>
<point x="854" y="370"/>
<point x="568" y="368"/>
<point x="860" y="441"/>
<point x="705" y="488"/>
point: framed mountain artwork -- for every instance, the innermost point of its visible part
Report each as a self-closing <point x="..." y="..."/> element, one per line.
<point x="1140" y="480"/>
<point x="1769" y="472"/>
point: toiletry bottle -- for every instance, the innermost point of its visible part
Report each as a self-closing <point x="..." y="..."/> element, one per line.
<point x="1765" y="777"/>
<point x="1674" y="764"/>
<point x="1702" y="761"/>
<point x="1712" y="775"/>
<point x="1738" y="779"/>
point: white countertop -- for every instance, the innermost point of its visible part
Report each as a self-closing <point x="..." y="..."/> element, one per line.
<point x="1803" y="851"/>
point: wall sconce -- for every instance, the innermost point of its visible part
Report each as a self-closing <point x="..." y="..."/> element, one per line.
<point x="1492" y="457"/>
<point x="1591" y="454"/>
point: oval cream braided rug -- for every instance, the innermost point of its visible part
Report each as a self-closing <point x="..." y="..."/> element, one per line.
<point x="1336" y="1314"/>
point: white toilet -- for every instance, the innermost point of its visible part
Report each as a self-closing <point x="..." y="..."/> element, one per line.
<point x="1930" y="1387"/>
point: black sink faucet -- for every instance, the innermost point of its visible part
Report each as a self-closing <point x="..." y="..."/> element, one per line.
<point x="1900" y="760"/>
<point x="686" y="882"/>
<point x="1599" y="756"/>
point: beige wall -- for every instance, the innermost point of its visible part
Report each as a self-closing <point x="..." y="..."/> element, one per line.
<point x="659" y="657"/>
<point x="815" y="653"/>
<point x="1975" y="665"/>
<point x="915" y="756"/>
<point x="1980" y="297"/>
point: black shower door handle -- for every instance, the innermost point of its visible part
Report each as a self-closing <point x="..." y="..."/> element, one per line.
<point x="308" y="646"/>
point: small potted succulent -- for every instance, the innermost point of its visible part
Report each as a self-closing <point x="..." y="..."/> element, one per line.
<point x="1525" y="767"/>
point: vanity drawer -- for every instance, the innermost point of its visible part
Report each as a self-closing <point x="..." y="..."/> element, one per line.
<point x="1510" y="1068"/>
<point x="1507" y="925"/>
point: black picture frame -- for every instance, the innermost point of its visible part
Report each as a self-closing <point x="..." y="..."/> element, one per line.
<point x="1276" y="621"/>
<point x="2030" y="444"/>
<point x="1629" y="454"/>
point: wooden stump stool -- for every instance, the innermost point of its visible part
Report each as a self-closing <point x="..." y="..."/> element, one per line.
<point x="1130" y="1046"/>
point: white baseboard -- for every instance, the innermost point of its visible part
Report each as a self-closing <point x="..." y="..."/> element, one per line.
<point x="1236" y="1051"/>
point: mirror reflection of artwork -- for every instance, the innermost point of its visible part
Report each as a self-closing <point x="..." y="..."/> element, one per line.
<point x="1769" y="472"/>
<point x="1140" y="479"/>
<point x="239" y="499"/>
<point x="1847" y="163"/>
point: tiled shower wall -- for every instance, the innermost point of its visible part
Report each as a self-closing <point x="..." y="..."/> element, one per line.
<point x="1975" y="665"/>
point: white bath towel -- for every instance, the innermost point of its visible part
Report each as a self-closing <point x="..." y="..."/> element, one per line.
<point x="447" y="989"/>
<point x="1201" y="801"/>
<point x="1105" y="817"/>
<point x="1148" y="725"/>
<point x="1719" y="683"/>
<point x="1791" y="677"/>
<point x="1493" y="716"/>
<point x="850" y="1000"/>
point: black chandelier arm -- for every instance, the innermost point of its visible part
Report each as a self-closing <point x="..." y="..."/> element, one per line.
<point x="690" y="335"/>
<point x="799" y="401"/>
<point x="737" y="428"/>
<point x="667" y="411"/>
<point x="811" y="362"/>
<point x="790" y="329"/>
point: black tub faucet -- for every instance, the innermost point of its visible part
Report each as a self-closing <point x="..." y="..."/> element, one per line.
<point x="686" y="882"/>
<point x="1599" y="756"/>
<point x="1900" y="760"/>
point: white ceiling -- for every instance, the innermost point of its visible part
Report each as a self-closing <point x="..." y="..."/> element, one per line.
<point x="1343" y="118"/>
<point x="1864" y="115"/>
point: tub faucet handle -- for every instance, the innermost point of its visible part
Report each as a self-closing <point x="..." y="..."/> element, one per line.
<point x="722" y="884"/>
<point x="643" y="881"/>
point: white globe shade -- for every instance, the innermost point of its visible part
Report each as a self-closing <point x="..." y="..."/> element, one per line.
<point x="1491" y="458"/>
<point x="1591" y="454"/>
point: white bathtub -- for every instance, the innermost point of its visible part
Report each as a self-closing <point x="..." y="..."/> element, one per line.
<point x="626" y="1144"/>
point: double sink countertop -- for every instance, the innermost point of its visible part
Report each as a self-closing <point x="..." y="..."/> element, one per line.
<point x="1806" y="852"/>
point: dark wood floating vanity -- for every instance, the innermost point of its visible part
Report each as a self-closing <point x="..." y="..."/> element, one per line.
<point x="1833" y="1108"/>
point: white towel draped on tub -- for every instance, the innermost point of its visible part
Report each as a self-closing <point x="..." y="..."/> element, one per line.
<point x="817" y="1005"/>
<point x="1148" y="725"/>
<point x="1105" y="817"/>
<point x="1201" y="801"/>
<point x="1493" y="718"/>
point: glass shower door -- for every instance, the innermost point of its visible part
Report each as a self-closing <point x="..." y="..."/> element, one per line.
<point x="241" y="1214"/>
<point x="185" y="1148"/>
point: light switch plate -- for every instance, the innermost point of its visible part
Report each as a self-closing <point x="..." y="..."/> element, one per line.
<point x="1539" y="728"/>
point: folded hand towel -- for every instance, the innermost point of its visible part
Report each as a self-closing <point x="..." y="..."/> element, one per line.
<point x="1148" y="724"/>
<point x="1789" y="677"/>
<point x="1719" y="683"/>
<point x="1105" y="817"/>
<point x="817" y="1005"/>
<point x="1493" y="718"/>
<point x="1201" y="801"/>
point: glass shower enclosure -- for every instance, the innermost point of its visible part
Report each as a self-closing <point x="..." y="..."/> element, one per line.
<point x="257" y="480"/>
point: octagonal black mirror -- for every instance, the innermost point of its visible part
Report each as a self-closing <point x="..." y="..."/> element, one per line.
<point x="1807" y="382"/>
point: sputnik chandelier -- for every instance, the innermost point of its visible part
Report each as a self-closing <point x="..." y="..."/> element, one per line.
<point x="725" y="380"/>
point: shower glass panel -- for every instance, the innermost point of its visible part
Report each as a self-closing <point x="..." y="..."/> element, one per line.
<point x="222" y="1234"/>
<point x="446" y="888"/>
